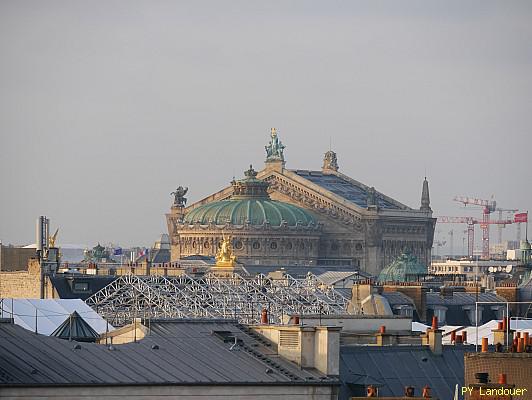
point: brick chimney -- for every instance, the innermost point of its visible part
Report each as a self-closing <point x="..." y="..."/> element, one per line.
<point x="501" y="334"/>
<point x="433" y="337"/>
<point x="385" y="339"/>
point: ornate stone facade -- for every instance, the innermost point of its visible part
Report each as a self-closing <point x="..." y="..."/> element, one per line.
<point x="356" y="225"/>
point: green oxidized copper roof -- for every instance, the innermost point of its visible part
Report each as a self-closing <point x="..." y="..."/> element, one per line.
<point x="251" y="204"/>
<point x="405" y="268"/>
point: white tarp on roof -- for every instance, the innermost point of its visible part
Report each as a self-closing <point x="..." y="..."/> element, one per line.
<point x="485" y="330"/>
<point x="419" y="327"/>
<point x="50" y="313"/>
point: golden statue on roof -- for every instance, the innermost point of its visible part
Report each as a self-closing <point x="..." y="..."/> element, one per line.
<point x="225" y="257"/>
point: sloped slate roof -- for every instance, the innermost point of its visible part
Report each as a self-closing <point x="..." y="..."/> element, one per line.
<point x="461" y="299"/>
<point x="298" y="271"/>
<point x="397" y="298"/>
<point x="347" y="189"/>
<point x="65" y="285"/>
<point x="76" y="328"/>
<point x="333" y="277"/>
<point x="394" y="367"/>
<point x="176" y="352"/>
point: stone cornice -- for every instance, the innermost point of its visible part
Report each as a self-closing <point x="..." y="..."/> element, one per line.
<point x="316" y="229"/>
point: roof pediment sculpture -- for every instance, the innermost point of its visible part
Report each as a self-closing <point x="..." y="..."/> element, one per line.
<point x="330" y="161"/>
<point x="274" y="150"/>
<point x="179" y="196"/>
<point x="371" y="199"/>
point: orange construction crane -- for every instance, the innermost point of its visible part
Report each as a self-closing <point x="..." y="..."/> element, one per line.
<point x="488" y="206"/>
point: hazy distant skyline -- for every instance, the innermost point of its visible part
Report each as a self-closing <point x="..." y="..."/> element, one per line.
<point x="106" y="107"/>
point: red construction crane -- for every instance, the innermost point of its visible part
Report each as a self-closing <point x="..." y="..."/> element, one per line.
<point x="488" y="206"/>
<point x="471" y="222"/>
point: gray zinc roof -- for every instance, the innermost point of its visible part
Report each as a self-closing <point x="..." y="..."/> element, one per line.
<point x="298" y="271"/>
<point x="392" y="368"/>
<point x="333" y="277"/>
<point x="175" y="353"/>
<point x="461" y="298"/>
<point x="348" y="189"/>
<point x="397" y="298"/>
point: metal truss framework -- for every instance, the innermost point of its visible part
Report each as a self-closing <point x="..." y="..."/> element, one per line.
<point x="233" y="296"/>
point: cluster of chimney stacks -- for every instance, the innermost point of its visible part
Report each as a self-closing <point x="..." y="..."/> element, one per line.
<point x="410" y="391"/>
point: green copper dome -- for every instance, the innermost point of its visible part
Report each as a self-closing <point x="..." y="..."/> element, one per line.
<point x="250" y="204"/>
<point x="405" y="268"/>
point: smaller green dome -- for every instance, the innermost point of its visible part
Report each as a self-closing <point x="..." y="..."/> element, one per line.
<point x="405" y="268"/>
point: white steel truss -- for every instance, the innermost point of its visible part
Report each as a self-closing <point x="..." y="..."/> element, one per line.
<point x="233" y="296"/>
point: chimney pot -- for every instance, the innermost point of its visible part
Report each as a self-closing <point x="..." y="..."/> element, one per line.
<point x="499" y="325"/>
<point x="409" y="391"/>
<point x="502" y="379"/>
<point x="371" y="391"/>
<point x="464" y="336"/>
<point x="520" y="345"/>
<point x="382" y="329"/>
<point x="459" y="339"/>
<point x="296" y="319"/>
<point x="426" y="392"/>
<point x="434" y="322"/>
<point x="264" y="316"/>
<point x="517" y="335"/>
<point x="484" y="344"/>
<point x="453" y="336"/>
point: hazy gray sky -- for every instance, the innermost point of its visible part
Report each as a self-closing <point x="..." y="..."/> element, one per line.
<point x="107" y="106"/>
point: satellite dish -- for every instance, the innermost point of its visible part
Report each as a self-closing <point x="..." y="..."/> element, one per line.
<point x="490" y="269"/>
<point x="509" y="268"/>
<point x="500" y="269"/>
